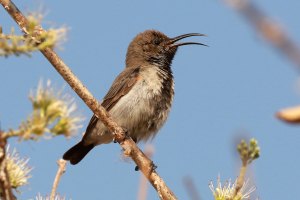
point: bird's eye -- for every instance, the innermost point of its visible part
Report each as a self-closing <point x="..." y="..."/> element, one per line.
<point x="156" y="41"/>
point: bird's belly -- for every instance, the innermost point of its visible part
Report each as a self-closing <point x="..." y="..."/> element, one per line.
<point x="142" y="111"/>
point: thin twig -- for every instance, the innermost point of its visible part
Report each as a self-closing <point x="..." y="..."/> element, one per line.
<point x="248" y="153"/>
<point x="61" y="169"/>
<point x="241" y="178"/>
<point x="142" y="193"/>
<point x="129" y="146"/>
<point x="268" y="28"/>
<point x="290" y="115"/>
<point x="191" y="188"/>
<point x="5" y="187"/>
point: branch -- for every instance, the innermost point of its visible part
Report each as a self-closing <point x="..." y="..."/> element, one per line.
<point x="129" y="146"/>
<point x="191" y="188"/>
<point x="5" y="187"/>
<point x="290" y="115"/>
<point x="61" y="169"/>
<point x="248" y="153"/>
<point x="142" y="193"/>
<point x="241" y="178"/>
<point x="268" y="28"/>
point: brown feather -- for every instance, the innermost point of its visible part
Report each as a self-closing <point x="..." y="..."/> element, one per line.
<point x="120" y="87"/>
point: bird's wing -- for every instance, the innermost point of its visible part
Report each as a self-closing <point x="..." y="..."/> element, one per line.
<point x="120" y="87"/>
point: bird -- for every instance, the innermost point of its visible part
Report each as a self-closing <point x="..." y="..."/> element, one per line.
<point x="141" y="96"/>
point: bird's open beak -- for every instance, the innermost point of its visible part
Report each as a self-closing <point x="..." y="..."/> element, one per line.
<point x="180" y="37"/>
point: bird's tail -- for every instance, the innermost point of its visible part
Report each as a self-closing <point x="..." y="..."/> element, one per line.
<point x="77" y="152"/>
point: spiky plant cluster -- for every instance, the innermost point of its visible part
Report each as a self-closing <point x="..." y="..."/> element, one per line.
<point x="57" y="197"/>
<point x="17" y="168"/>
<point x="33" y="40"/>
<point x="238" y="190"/>
<point x="227" y="190"/>
<point x="53" y="114"/>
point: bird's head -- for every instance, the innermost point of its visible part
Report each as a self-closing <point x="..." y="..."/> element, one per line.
<point x="156" y="48"/>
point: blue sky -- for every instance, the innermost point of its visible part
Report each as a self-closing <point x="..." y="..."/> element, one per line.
<point x="230" y="90"/>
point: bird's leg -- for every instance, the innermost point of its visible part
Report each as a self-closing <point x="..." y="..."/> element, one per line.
<point x="136" y="167"/>
<point x="125" y="132"/>
<point x="153" y="166"/>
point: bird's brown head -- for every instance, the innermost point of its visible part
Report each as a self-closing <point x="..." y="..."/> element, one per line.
<point x="154" y="47"/>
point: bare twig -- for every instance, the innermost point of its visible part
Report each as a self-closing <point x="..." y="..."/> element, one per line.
<point x="142" y="193"/>
<point x="191" y="188"/>
<point x="248" y="153"/>
<point x="129" y="146"/>
<point x="241" y="178"/>
<point x="61" y="169"/>
<point x="5" y="187"/>
<point x="290" y="115"/>
<point x="268" y="28"/>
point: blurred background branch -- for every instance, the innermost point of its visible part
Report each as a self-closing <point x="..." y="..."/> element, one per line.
<point x="60" y="171"/>
<point x="190" y="186"/>
<point x="268" y="28"/>
<point x="143" y="186"/>
<point x="290" y="115"/>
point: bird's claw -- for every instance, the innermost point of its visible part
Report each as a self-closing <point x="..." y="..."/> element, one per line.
<point x="153" y="167"/>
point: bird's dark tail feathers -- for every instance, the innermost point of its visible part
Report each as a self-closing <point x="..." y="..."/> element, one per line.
<point x="77" y="152"/>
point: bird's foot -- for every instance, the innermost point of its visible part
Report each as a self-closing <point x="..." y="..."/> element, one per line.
<point x="126" y="135"/>
<point x="125" y="131"/>
<point x="153" y="167"/>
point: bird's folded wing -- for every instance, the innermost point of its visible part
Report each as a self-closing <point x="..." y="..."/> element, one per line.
<point x="120" y="87"/>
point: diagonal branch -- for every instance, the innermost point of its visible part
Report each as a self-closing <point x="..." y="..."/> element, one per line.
<point x="268" y="28"/>
<point x="129" y="146"/>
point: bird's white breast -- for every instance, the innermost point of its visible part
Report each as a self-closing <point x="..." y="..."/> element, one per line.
<point x="137" y="111"/>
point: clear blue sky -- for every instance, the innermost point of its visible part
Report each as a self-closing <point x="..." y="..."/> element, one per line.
<point x="230" y="90"/>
